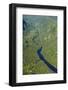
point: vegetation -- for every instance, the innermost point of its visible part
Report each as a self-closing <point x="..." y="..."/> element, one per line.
<point x="39" y="31"/>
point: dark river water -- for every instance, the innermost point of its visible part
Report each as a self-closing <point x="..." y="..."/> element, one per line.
<point x="45" y="61"/>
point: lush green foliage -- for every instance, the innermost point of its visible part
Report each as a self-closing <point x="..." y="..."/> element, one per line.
<point x="39" y="31"/>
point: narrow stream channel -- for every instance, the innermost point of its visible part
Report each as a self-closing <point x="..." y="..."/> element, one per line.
<point x="45" y="61"/>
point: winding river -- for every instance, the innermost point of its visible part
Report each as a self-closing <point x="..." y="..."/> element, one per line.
<point x="45" y="61"/>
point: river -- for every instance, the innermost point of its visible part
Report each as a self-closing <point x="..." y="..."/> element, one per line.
<point x="45" y="61"/>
